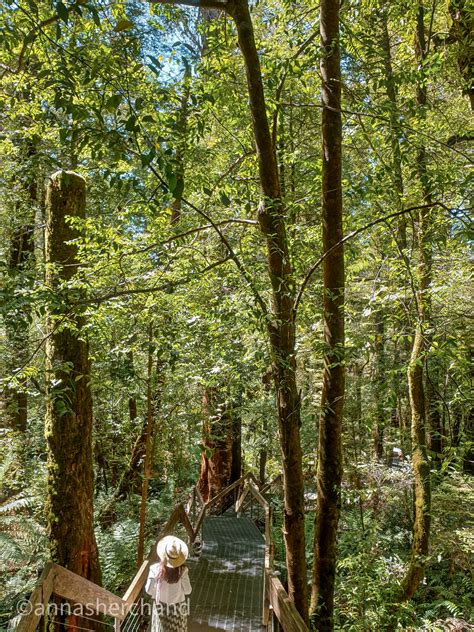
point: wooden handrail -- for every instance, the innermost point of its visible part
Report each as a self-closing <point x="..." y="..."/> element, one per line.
<point x="284" y="609"/>
<point x="79" y="590"/>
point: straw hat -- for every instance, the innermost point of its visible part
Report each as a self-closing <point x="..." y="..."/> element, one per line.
<point x="172" y="551"/>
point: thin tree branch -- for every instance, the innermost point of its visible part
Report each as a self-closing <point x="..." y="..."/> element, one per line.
<point x="351" y="236"/>
<point x="33" y="34"/>
<point x="384" y="118"/>
<point x="191" y="231"/>
<point x="240" y="266"/>
<point x="156" y="288"/>
<point x="201" y="4"/>
<point x="281" y="85"/>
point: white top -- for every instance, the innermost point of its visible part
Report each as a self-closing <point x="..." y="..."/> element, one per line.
<point x="163" y="592"/>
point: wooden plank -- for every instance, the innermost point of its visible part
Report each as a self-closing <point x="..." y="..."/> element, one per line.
<point x="240" y="500"/>
<point x="187" y="524"/>
<point x="257" y="495"/>
<point x="284" y="609"/>
<point x="82" y="591"/>
<point x="266" y="602"/>
<point x="38" y="600"/>
<point x="137" y="584"/>
<point x="199" y="520"/>
<point x="224" y="492"/>
<point x="251" y="477"/>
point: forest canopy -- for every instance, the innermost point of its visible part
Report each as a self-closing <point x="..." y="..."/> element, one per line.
<point x="235" y="238"/>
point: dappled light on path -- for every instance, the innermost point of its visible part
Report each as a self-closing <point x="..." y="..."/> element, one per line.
<point x="227" y="578"/>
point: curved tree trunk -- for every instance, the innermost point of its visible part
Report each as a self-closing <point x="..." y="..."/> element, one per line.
<point x="281" y="329"/>
<point x="330" y="449"/>
<point x="68" y="424"/>
<point x="281" y="322"/>
<point x="416" y="369"/>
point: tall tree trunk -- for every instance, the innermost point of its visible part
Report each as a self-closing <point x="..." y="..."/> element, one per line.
<point x="68" y="424"/>
<point x="182" y="134"/>
<point x="380" y="417"/>
<point x="420" y="463"/>
<point x="281" y="324"/>
<point x="330" y="449"/>
<point x="130" y="479"/>
<point x="148" y="462"/>
<point x="272" y="221"/>
<point x="461" y="33"/>
<point x="20" y="263"/>
<point x="390" y="83"/>
<point x="218" y="440"/>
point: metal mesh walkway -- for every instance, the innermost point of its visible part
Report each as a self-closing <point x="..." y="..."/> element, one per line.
<point x="227" y="579"/>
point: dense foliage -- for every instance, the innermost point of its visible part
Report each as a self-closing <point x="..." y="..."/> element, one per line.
<point x="149" y="103"/>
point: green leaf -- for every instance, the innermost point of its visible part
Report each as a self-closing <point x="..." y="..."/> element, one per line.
<point x="130" y="124"/>
<point x="225" y="199"/>
<point x="172" y="181"/>
<point x="113" y="102"/>
<point x="178" y="189"/>
<point x="62" y="12"/>
<point x="123" y="25"/>
<point x="148" y="158"/>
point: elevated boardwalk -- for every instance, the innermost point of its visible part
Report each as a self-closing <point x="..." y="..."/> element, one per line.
<point x="234" y="586"/>
<point x="227" y="578"/>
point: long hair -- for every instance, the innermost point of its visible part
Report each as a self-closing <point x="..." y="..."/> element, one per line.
<point x="170" y="575"/>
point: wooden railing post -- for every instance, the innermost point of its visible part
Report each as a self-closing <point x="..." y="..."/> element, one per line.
<point x="38" y="600"/>
<point x="193" y="507"/>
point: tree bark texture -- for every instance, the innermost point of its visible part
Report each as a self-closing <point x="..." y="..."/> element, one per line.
<point x="416" y="368"/>
<point x="68" y="425"/>
<point x="380" y="390"/>
<point x="148" y="462"/>
<point x="20" y="264"/>
<point x="272" y="221"/>
<point x="221" y="457"/>
<point x="329" y="448"/>
<point x="461" y="33"/>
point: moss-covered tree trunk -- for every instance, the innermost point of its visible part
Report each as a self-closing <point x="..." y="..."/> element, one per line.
<point x="68" y="424"/>
<point x="416" y="368"/>
<point x="152" y="405"/>
<point x="380" y="389"/>
<point x="219" y="444"/>
<point x="330" y="429"/>
<point x="20" y="271"/>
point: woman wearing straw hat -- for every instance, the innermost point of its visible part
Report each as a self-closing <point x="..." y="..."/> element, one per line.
<point x="168" y="584"/>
